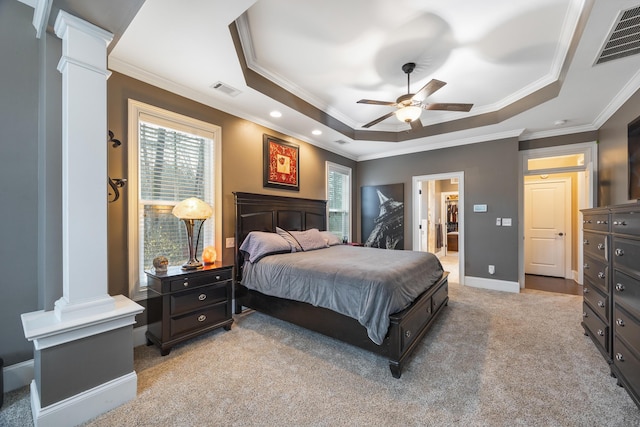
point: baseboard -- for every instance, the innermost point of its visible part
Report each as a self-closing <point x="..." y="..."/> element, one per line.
<point x="576" y="277"/>
<point x="139" y="337"/>
<point x="86" y="405"/>
<point x="496" y="285"/>
<point x="17" y="376"/>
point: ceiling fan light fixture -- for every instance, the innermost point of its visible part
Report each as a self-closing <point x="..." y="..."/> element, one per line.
<point x="409" y="113"/>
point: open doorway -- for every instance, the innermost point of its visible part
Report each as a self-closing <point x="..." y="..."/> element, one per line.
<point x="438" y="220"/>
<point x="557" y="182"/>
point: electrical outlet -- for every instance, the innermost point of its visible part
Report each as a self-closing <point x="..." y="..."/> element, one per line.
<point x="492" y="269"/>
<point x="231" y="242"/>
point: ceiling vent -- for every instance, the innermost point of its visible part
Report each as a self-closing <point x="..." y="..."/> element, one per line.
<point x="226" y="89"/>
<point x="340" y="141"/>
<point x="624" y="39"/>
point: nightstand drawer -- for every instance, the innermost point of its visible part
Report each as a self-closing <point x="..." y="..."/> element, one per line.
<point x="200" y="319"/>
<point x="194" y="280"/>
<point x="191" y="300"/>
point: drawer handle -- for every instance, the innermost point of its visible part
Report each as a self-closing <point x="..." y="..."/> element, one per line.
<point x="619" y="287"/>
<point x="619" y="252"/>
<point x="619" y="357"/>
<point x="202" y="297"/>
<point x="584" y="314"/>
<point x="600" y="304"/>
<point x="585" y="290"/>
<point x="600" y="332"/>
<point x="601" y="222"/>
<point x="586" y="266"/>
<point x="585" y="241"/>
<point x="622" y="223"/>
<point x="601" y="275"/>
<point x="202" y="318"/>
<point x="217" y="277"/>
<point x="587" y="221"/>
<point x="185" y="283"/>
<point x="407" y="334"/>
<point x="601" y="246"/>
<point x="620" y="322"/>
<point x="428" y="310"/>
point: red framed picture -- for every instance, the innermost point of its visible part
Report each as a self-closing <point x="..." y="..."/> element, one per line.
<point x="281" y="164"/>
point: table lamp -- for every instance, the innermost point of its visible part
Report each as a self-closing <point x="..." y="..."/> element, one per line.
<point x="190" y="211"/>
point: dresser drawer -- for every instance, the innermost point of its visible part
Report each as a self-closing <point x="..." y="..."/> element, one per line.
<point x="597" y="328"/>
<point x="194" y="280"/>
<point x="627" y="363"/>
<point x="200" y="319"/>
<point x="595" y="245"/>
<point x="626" y="255"/>
<point x="627" y="327"/>
<point x="598" y="301"/>
<point x="597" y="222"/>
<point x="597" y="272"/>
<point x="626" y="223"/>
<point x="190" y="300"/>
<point x="626" y="291"/>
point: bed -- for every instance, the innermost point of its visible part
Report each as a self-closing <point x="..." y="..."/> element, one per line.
<point x="394" y="336"/>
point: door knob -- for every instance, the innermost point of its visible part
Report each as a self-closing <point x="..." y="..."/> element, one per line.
<point x="561" y="234"/>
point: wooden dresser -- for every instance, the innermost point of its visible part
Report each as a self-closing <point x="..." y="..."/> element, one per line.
<point x="611" y="314"/>
<point x="183" y="304"/>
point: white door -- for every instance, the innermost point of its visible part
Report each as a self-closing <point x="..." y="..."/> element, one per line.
<point x="545" y="229"/>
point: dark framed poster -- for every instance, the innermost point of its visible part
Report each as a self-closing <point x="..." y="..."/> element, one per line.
<point x="383" y="216"/>
<point x="281" y="164"/>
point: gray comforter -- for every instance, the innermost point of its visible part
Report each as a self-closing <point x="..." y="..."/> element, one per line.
<point x="367" y="284"/>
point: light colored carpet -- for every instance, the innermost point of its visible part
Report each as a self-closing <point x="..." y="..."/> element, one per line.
<point x="492" y="359"/>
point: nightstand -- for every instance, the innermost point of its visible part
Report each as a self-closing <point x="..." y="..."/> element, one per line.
<point x="184" y="304"/>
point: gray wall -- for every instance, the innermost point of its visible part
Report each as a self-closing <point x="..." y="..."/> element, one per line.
<point x="18" y="177"/>
<point x="490" y="177"/>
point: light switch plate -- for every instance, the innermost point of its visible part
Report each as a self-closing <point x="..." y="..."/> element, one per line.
<point x="498" y="221"/>
<point x="230" y="242"/>
<point x="506" y="222"/>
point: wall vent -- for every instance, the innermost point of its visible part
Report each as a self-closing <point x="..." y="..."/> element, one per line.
<point x="226" y="89"/>
<point x="624" y="38"/>
<point x="341" y="141"/>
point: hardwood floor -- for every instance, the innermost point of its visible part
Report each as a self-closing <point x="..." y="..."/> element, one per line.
<point x="552" y="284"/>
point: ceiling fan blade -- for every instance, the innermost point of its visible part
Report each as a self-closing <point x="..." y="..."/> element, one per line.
<point x="428" y="89"/>
<point x="448" y="106"/>
<point x="416" y="124"/>
<point x="374" y="102"/>
<point x="379" y="119"/>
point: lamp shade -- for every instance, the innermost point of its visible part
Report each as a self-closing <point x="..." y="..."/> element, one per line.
<point x="409" y="113"/>
<point x="192" y="208"/>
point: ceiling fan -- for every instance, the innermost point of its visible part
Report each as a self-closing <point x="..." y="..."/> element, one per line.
<point x="410" y="105"/>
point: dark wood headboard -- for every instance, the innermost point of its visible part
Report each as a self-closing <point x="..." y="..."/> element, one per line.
<point x="262" y="212"/>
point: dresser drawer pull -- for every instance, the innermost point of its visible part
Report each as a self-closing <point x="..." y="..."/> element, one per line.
<point x="585" y="241"/>
<point x="601" y="222"/>
<point x="585" y="290"/>
<point x="202" y="297"/>
<point x="619" y="287"/>
<point x="600" y="332"/>
<point x="600" y="304"/>
<point x="186" y="282"/>
<point x="619" y="252"/>
<point x="619" y="357"/>
<point x="202" y="318"/>
<point x="584" y="314"/>
<point x="620" y="322"/>
<point x="586" y="221"/>
<point x="407" y="334"/>
<point x="586" y="266"/>
<point x="601" y="246"/>
<point x="622" y="223"/>
<point x="217" y="277"/>
<point x="601" y="275"/>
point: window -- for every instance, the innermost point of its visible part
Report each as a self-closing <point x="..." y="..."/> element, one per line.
<point x="339" y="200"/>
<point x="171" y="158"/>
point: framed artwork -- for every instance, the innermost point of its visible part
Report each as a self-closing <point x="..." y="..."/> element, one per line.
<point x="281" y="164"/>
<point x="383" y="216"/>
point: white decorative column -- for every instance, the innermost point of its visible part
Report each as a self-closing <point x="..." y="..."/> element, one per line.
<point x="83" y="363"/>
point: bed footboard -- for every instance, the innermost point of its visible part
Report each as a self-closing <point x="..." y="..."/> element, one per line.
<point x="406" y="330"/>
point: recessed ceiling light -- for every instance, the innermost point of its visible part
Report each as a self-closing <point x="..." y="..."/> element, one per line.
<point x="316" y="132"/>
<point x="275" y="114"/>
